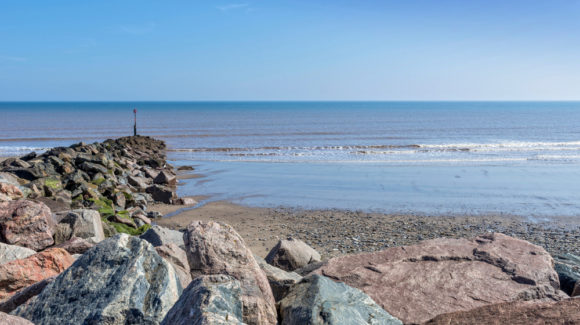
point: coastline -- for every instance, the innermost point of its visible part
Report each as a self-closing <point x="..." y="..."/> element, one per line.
<point x="335" y="232"/>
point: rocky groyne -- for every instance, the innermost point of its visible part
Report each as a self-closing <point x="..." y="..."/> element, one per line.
<point x="88" y="259"/>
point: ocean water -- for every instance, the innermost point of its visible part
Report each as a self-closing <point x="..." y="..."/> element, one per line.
<point x="433" y="158"/>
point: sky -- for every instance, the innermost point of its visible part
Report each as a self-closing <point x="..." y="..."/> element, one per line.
<point x="178" y="50"/>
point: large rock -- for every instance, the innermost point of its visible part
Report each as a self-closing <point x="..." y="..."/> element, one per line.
<point x="22" y="296"/>
<point x="13" y="320"/>
<point x="165" y="178"/>
<point x="12" y="252"/>
<point x="9" y="192"/>
<point x="176" y="257"/>
<point x="516" y="313"/>
<point x="84" y="224"/>
<point x="161" y="193"/>
<point x="76" y="245"/>
<point x="318" y="300"/>
<point x="216" y="248"/>
<point x="159" y="236"/>
<point x="19" y="274"/>
<point x="26" y="223"/>
<point x="292" y="254"/>
<point x="121" y="281"/>
<point x="568" y="268"/>
<point x="208" y="300"/>
<point x="280" y="281"/>
<point x="416" y="283"/>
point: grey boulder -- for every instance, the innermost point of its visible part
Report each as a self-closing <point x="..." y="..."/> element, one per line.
<point x="319" y="300"/>
<point x="208" y="300"/>
<point x="280" y="281"/>
<point x="176" y="257"/>
<point x="12" y="252"/>
<point x="159" y="236"/>
<point x="85" y="224"/>
<point x="120" y="281"/>
<point x="568" y="268"/>
<point x="292" y="254"/>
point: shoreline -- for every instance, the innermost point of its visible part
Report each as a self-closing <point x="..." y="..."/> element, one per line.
<point x="336" y="232"/>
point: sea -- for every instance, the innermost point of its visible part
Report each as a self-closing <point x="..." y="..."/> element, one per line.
<point x="430" y="158"/>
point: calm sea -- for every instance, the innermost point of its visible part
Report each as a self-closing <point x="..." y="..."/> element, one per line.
<point x="518" y="158"/>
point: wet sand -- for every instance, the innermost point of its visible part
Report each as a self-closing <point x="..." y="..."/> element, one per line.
<point x="338" y="232"/>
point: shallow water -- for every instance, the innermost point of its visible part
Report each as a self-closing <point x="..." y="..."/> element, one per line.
<point x="423" y="157"/>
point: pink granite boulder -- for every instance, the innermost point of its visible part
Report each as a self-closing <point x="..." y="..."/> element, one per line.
<point x="26" y="223"/>
<point x="216" y="248"/>
<point x="416" y="283"/>
<point x="566" y="311"/>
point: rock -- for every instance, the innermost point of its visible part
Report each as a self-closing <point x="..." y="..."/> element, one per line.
<point x="566" y="311"/>
<point x="120" y="281"/>
<point x="280" y="280"/>
<point x="76" y="245"/>
<point x="120" y="200"/>
<point x="22" y="273"/>
<point x="62" y="233"/>
<point x="292" y="254"/>
<point x="85" y="224"/>
<point x="126" y="221"/>
<point x="165" y="178"/>
<point x="9" y="192"/>
<point x="185" y="168"/>
<point x="64" y="197"/>
<point x="568" y="269"/>
<point x="186" y="201"/>
<point x="216" y="248"/>
<point x="12" y="252"/>
<point x="208" y="300"/>
<point x="159" y="236"/>
<point x="13" y="320"/>
<point x="26" y="223"/>
<point x="416" y="283"/>
<point x="142" y="218"/>
<point x="318" y="300"/>
<point x="138" y="182"/>
<point x="22" y="296"/>
<point x="93" y="168"/>
<point x="176" y="257"/>
<point x="161" y="193"/>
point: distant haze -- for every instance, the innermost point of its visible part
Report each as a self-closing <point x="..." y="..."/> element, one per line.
<point x="184" y="50"/>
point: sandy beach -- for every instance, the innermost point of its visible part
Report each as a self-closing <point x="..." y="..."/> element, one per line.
<point x="339" y="232"/>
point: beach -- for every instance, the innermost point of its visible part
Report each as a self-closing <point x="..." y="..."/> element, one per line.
<point x="334" y="232"/>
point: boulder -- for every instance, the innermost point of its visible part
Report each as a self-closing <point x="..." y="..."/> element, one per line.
<point x="76" y="245"/>
<point x="22" y="273"/>
<point x="292" y="254"/>
<point x="216" y="248"/>
<point x="159" y="236"/>
<point x="13" y="320"/>
<point x="12" y="252"/>
<point x="176" y="257"/>
<point x="165" y="178"/>
<point x="93" y="168"/>
<point x="161" y="193"/>
<point x="138" y="182"/>
<point x="208" y="300"/>
<point x="84" y="224"/>
<point x="22" y="296"/>
<point x="280" y="280"/>
<point x="186" y="201"/>
<point x="26" y="223"/>
<point x="568" y="269"/>
<point x="185" y="168"/>
<point x="566" y="311"/>
<point x="120" y="281"/>
<point x="9" y="192"/>
<point x="319" y="300"/>
<point x="416" y="283"/>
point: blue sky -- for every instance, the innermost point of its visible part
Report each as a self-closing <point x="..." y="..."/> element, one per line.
<point x="289" y="50"/>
